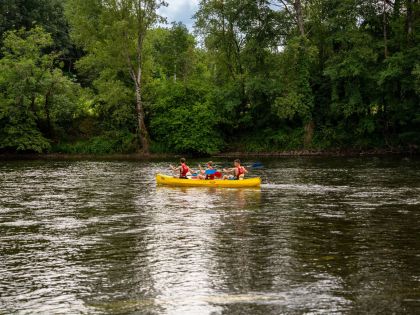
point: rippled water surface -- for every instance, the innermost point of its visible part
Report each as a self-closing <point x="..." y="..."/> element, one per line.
<point x="322" y="235"/>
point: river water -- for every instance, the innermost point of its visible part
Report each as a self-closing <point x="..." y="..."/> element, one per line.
<point x="322" y="235"/>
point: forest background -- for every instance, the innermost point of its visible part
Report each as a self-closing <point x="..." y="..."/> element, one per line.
<point x="109" y="76"/>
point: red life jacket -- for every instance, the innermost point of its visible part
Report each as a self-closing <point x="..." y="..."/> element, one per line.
<point x="210" y="177"/>
<point x="239" y="171"/>
<point x="184" y="170"/>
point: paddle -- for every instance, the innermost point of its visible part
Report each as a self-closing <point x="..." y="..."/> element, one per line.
<point x="257" y="165"/>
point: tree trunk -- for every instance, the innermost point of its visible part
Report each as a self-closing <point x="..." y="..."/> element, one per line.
<point x="136" y="76"/>
<point x="33" y="108"/>
<point x="142" y="130"/>
<point x="384" y="21"/>
<point x="309" y="133"/>
<point x="299" y="16"/>
<point x="409" y="20"/>
<point x="309" y="126"/>
<point x="47" y="112"/>
<point x="385" y="128"/>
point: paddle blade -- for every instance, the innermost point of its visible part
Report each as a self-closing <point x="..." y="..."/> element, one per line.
<point x="210" y="172"/>
<point x="257" y="165"/>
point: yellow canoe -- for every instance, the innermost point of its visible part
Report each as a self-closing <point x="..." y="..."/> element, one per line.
<point x="172" y="181"/>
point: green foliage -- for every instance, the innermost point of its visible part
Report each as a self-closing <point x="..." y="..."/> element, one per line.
<point x="36" y="99"/>
<point x="296" y="97"/>
<point x="350" y="72"/>
<point x="416" y="74"/>
<point x="183" y="119"/>
<point x="20" y="133"/>
<point x="48" y="14"/>
<point x="173" y="50"/>
<point x="269" y="140"/>
<point x="113" y="34"/>
<point x="258" y="76"/>
<point x="111" y="142"/>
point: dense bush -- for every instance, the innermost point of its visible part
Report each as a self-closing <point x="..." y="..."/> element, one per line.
<point x="184" y="119"/>
<point x="104" y="144"/>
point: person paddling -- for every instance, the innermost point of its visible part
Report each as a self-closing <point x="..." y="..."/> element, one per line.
<point x="208" y="173"/>
<point x="183" y="169"/>
<point x="238" y="172"/>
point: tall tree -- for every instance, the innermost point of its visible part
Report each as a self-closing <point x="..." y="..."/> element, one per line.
<point x="239" y="37"/>
<point x="113" y="34"/>
<point x="33" y="91"/>
<point x="173" y="50"/>
<point x="300" y="92"/>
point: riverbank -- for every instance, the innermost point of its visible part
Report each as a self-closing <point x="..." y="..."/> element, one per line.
<point x="237" y="154"/>
<point x="65" y="156"/>
<point x="332" y="152"/>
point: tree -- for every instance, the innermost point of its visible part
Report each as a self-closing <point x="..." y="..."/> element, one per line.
<point x="239" y="38"/>
<point x="300" y="96"/>
<point x="173" y="51"/>
<point x="303" y="73"/>
<point x="49" y="14"/>
<point x="296" y="99"/>
<point x="113" y="34"/>
<point x="218" y="24"/>
<point x="31" y="87"/>
<point x="184" y="118"/>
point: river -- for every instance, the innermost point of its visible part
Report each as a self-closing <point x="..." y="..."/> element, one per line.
<point x="321" y="236"/>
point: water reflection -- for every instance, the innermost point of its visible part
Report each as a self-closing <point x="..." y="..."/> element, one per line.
<point x="324" y="235"/>
<point x="208" y="197"/>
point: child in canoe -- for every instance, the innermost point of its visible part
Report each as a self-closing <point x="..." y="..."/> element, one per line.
<point x="209" y="173"/>
<point x="183" y="169"/>
<point x="238" y="172"/>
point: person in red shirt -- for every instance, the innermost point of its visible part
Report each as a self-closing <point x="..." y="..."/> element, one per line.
<point x="238" y="172"/>
<point x="183" y="169"/>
